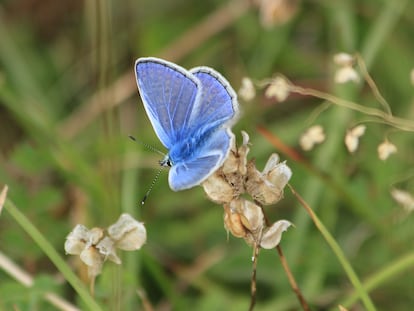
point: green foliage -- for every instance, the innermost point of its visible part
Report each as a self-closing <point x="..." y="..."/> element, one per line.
<point x="67" y="159"/>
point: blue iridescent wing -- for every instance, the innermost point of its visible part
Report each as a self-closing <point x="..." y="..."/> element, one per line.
<point x="168" y="92"/>
<point x="217" y="104"/>
<point x="213" y="113"/>
<point x="194" y="171"/>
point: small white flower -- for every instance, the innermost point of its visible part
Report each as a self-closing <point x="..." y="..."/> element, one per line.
<point x="352" y="137"/>
<point x="247" y="91"/>
<point x="278" y="88"/>
<point x="385" y="149"/>
<point x="403" y="198"/>
<point x="313" y="135"/>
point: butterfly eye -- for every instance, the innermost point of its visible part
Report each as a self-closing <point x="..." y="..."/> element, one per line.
<point x="166" y="162"/>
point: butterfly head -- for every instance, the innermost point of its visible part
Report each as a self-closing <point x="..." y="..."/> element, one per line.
<point x="166" y="162"/>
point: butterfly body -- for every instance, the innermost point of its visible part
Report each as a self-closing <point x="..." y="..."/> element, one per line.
<point x="191" y="113"/>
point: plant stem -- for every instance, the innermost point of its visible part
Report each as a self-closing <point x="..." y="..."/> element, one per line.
<point x="52" y="254"/>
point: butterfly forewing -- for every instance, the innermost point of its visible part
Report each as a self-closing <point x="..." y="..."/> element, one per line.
<point x="168" y="93"/>
<point x="217" y="102"/>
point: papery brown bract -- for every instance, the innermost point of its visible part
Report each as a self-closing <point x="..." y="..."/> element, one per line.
<point x="228" y="181"/>
<point x="106" y="247"/>
<point x="267" y="186"/>
<point x="128" y="233"/>
<point x="218" y="189"/>
<point x="233" y="222"/>
<point x="91" y="257"/>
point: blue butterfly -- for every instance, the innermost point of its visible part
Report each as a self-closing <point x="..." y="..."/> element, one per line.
<point x="192" y="113"/>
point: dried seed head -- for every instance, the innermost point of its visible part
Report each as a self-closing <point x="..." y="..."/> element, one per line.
<point x="277" y="12"/>
<point x="247" y="91"/>
<point x="267" y="187"/>
<point x="76" y="240"/>
<point x="346" y="72"/>
<point x="238" y="176"/>
<point x="94" y="236"/>
<point x="218" y="189"/>
<point x="403" y="198"/>
<point x="228" y="181"/>
<point x="233" y="222"/>
<point x="128" y="233"/>
<point x="106" y="247"/>
<point x="244" y="219"/>
<point x="385" y="149"/>
<point x="278" y="89"/>
<point x="352" y="137"/>
<point x="253" y="217"/>
<point x="94" y="247"/>
<point x="93" y="259"/>
<point x="313" y="136"/>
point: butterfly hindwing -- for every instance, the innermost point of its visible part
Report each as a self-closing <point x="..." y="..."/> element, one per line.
<point x="195" y="170"/>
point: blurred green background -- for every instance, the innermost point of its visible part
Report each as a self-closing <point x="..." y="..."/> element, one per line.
<point x="68" y="102"/>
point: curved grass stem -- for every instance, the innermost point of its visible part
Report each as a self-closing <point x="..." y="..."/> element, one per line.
<point x="346" y="265"/>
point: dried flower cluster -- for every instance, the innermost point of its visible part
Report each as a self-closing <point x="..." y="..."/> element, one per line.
<point x="311" y="137"/>
<point x="95" y="246"/>
<point x="352" y="137"/>
<point x="244" y="218"/>
<point x="278" y="88"/>
<point x="316" y="135"/>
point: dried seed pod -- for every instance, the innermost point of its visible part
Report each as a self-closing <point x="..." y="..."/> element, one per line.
<point x="128" y="233"/>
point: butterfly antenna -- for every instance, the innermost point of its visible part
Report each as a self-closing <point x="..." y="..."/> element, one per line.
<point x="146" y="145"/>
<point x="151" y="186"/>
